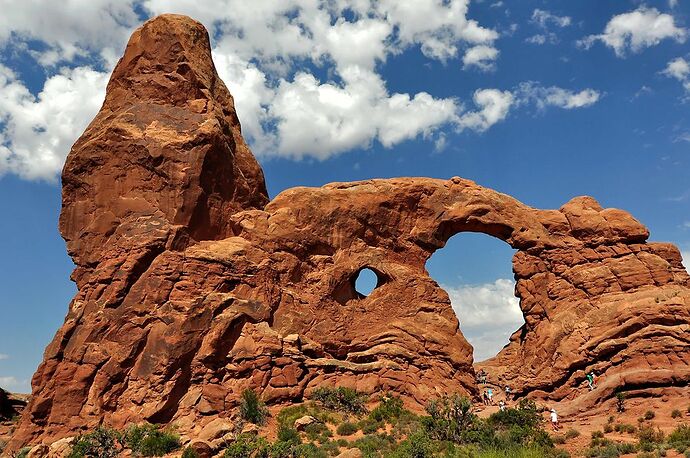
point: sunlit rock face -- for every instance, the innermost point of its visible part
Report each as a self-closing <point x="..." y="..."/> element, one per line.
<point x="193" y="287"/>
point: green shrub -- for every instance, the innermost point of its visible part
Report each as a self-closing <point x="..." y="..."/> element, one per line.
<point x="608" y="428"/>
<point x="625" y="428"/>
<point x="331" y="448"/>
<point x="308" y="451"/>
<point x="390" y="409"/>
<point x="150" y="440"/>
<point x="347" y="429"/>
<point x="572" y="433"/>
<point x="418" y="445"/>
<point x="620" y="401"/>
<point x="649" y="415"/>
<point x="247" y="445"/>
<point x="316" y="431"/>
<point x="680" y="437"/>
<point x="341" y="399"/>
<point x="3" y="444"/>
<point x="252" y="409"/>
<point x="450" y="418"/>
<point x="676" y="413"/>
<point x="597" y="434"/>
<point x="372" y="445"/>
<point x="369" y="425"/>
<point x="288" y="434"/>
<point x="189" y="452"/>
<point x="558" y="439"/>
<point x="24" y="452"/>
<point x="101" y="443"/>
<point x="649" y="438"/>
<point x="609" y="449"/>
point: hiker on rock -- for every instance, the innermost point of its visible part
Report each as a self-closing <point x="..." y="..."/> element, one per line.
<point x="502" y="406"/>
<point x="490" y="393"/>
<point x="508" y="393"/>
<point x="485" y="397"/>
<point x="590" y="381"/>
<point x="554" y="419"/>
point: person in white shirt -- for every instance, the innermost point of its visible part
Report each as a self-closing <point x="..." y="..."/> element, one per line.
<point x="554" y="419"/>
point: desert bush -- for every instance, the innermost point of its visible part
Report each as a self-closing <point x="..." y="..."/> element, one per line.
<point x="150" y="440"/>
<point x="101" y="443"/>
<point x="369" y="426"/>
<point x="676" y="413"/>
<point x="450" y="418"/>
<point x="418" y="445"/>
<point x="625" y="428"/>
<point x="620" y="401"/>
<point x="341" y="399"/>
<point x="23" y="452"/>
<point x="649" y="438"/>
<point x="389" y="409"/>
<point x="288" y="434"/>
<point x="317" y="431"/>
<point x="247" y="445"/>
<point x="373" y="445"/>
<point x="331" y="448"/>
<point x="558" y="439"/>
<point x="597" y="434"/>
<point x="252" y="409"/>
<point x="608" y="428"/>
<point x="307" y="451"/>
<point x="649" y="415"/>
<point x="572" y="433"/>
<point x="680" y="438"/>
<point x="610" y="450"/>
<point x="189" y="452"/>
<point x="288" y="415"/>
<point x="347" y="429"/>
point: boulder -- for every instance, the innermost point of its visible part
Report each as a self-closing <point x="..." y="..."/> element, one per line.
<point x="302" y="422"/>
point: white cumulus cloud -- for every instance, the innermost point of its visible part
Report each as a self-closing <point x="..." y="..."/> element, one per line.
<point x="686" y="259"/>
<point x="4" y="356"/>
<point x="38" y="131"/>
<point x="481" y="56"/>
<point x="679" y="69"/>
<point x="636" y="30"/>
<point x="543" y="97"/>
<point x="544" y="18"/>
<point x="488" y="313"/>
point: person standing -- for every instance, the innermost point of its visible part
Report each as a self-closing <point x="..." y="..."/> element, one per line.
<point x="554" y="419"/>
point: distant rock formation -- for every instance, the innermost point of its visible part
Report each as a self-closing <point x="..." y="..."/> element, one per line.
<point x="193" y="288"/>
<point x="10" y="405"/>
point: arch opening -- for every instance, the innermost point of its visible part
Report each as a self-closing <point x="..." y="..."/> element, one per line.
<point x="366" y="281"/>
<point x="475" y="269"/>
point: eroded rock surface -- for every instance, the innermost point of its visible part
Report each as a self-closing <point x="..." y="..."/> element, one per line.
<point x="192" y="289"/>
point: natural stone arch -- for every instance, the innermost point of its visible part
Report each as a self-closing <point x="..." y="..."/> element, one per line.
<point x="167" y="327"/>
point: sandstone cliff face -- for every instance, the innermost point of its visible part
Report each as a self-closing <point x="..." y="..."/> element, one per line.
<point x="191" y="289"/>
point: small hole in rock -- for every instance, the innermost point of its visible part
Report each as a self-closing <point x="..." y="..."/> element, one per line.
<point x="366" y="282"/>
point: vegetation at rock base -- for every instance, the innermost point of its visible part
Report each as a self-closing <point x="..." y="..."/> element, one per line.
<point x="449" y="429"/>
<point x="252" y="409"/>
<point x="100" y="443"/>
<point x="340" y="399"/>
<point x="142" y="440"/>
<point x="189" y="452"/>
<point x="150" y="440"/>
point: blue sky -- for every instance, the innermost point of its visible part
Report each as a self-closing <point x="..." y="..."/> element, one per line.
<point x="541" y="100"/>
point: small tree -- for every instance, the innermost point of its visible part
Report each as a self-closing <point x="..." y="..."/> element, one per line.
<point x="252" y="409"/>
<point x="620" y="401"/>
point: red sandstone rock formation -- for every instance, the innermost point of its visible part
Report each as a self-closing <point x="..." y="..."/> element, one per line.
<point x="191" y="289"/>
